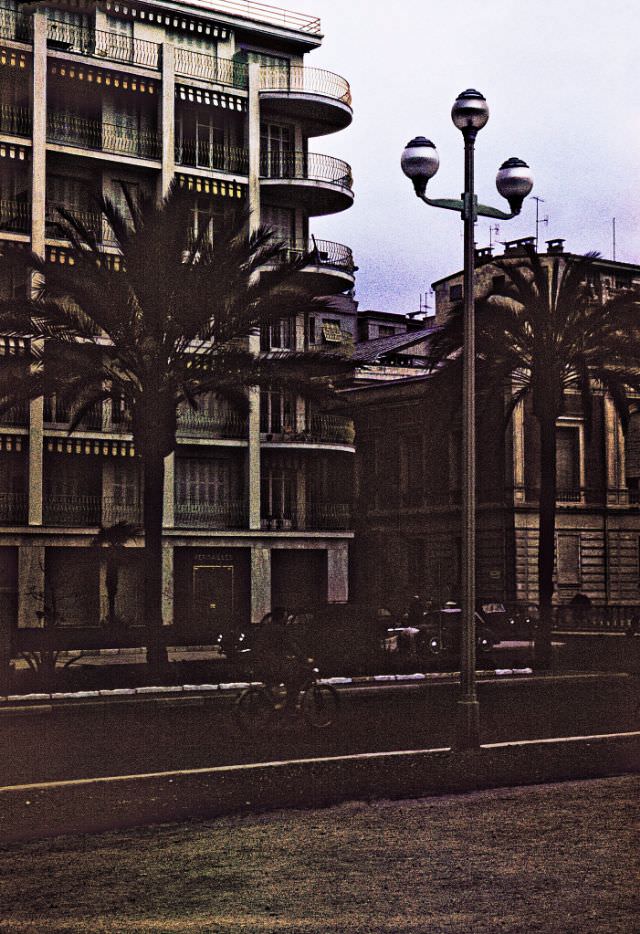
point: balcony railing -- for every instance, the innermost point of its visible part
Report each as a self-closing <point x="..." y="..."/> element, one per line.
<point x="199" y="515"/>
<point x="114" y="511"/>
<point x="93" y="221"/>
<point x="15" y="121"/>
<point x="202" y="155"/>
<point x="57" y="415"/>
<point x="15" y="216"/>
<point x="327" y="429"/>
<point x="265" y="13"/>
<point x="72" y="510"/>
<point x="315" y="517"/>
<point x="108" y="137"/>
<point x="16" y="416"/>
<point x="223" y="71"/>
<point x="299" y="78"/>
<point x="191" y="422"/>
<point x="311" y="166"/>
<point x="14" y="508"/>
<point x="97" y="43"/>
<point x="324" y="253"/>
<point x="14" y="25"/>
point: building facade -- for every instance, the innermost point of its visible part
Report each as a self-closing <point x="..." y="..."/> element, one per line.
<point x="409" y="480"/>
<point x="218" y="96"/>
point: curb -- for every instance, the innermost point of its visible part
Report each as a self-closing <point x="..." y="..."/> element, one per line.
<point x="29" y="812"/>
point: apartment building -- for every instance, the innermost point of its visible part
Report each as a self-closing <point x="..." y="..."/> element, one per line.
<point x="408" y="536"/>
<point x="218" y="95"/>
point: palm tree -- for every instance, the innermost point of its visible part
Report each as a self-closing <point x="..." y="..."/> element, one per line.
<point x="546" y="330"/>
<point x="163" y="324"/>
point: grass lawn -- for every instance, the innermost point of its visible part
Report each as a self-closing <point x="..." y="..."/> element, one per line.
<point x="555" y="859"/>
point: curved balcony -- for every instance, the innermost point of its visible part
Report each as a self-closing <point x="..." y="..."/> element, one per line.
<point x="317" y="99"/>
<point x="330" y="268"/>
<point x="70" y="130"/>
<point x="321" y="184"/>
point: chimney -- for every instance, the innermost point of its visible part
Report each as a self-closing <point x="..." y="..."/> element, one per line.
<point x="515" y="247"/>
<point x="555" y="246"/>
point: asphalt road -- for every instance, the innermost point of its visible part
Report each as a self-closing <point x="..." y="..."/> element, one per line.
<point x="59" y="741"/>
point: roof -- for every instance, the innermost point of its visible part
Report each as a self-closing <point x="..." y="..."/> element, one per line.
<point x="371" y="351"/>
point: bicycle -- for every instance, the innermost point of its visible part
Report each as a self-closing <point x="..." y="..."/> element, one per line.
<point x="260" y="704"/>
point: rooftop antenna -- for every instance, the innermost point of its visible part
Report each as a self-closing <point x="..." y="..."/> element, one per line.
<point x="539" y="220"/>
<point x="424" y="305"/>
<point x="613" y="225"/>
<point x="494" y="230"/>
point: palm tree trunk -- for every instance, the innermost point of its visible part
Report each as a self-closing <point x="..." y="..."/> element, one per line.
<point x="546" y="545"/>
<point x="153" y="470"/>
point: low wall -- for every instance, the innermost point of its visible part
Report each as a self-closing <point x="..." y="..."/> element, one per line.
<point x="91" y="805"/>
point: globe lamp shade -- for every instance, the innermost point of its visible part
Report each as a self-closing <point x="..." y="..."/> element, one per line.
<point x="420" y="162"/>
<point x="470" y="111"/>
<point x="514" y="181"/>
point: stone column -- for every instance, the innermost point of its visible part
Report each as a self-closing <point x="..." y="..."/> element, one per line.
<point x="30" y="585"/>
<point x="260" y="582"/>
<point x="253" y="450"/>
<point x="167" y="584"/>
<point x="338" y="572"/>
<point x="38" y="210"/>
<point x="254" y="144"/>
<point x="168" y="502"/>
<point x="167" y="117"/>
<point x="517" y="427"/>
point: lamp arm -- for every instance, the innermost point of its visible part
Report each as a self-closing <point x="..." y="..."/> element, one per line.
<point x="452" y="204"/>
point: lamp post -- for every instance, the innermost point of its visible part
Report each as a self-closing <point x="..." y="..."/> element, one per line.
<point x="420" y="162"/>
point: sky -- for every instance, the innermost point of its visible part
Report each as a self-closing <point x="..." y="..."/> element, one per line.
<point x="561" y="79"/>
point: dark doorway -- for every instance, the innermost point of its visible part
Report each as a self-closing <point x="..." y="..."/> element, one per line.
<point x="213" y="594"/>
<point x="298" y="578"/>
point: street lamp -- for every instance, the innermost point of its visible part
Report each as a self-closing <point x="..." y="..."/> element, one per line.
<point x="420" y="162"/>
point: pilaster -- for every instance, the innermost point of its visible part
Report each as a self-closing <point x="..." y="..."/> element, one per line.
<point x="338" y="573"/>
<point x="167" y="118"/>
<point x="30" y="586"/>
<point x="167" y="584"/>
<point x="260" y="582"/>
<point x="168" y="500"/>
<point x="254" y="144"/>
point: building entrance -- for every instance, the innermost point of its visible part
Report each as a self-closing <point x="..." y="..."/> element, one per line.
<point x="213" y="594"/>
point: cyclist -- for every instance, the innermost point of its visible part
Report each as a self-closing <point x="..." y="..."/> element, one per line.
<point x="278" y="657"/>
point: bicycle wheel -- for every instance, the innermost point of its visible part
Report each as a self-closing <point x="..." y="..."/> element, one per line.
<point x="254" y="708"/>
<point x="319" y="705"/>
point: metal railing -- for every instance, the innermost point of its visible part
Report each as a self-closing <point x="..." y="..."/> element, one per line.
<point x="192" y="422"/>
<point x="14" y="508"/>
<point x="15" y="121"/>
<point x="72" y="510"/>
<point x="17" y="415"/>
<point x="223" y="71"/>
<point x="202" y="155"/>
<point x="596" y="618"/>
<point x="199" y="515"/>
<point x="265" y="13"/>
<point x="327" y="429"/>
<point x="114" y="511"/>
<point x="93" y="221"/>
<point x="299" y="78"/>
<point x="98" y="43"/>
<point x="15" y="216"/>
<point x="58" y="415"/>
<point x="14" y="25"/>
<point x="108" y="137"/>
<point x="314" y="517"/>
<point x="324" y="252"/>
<point x="301" y="165"/>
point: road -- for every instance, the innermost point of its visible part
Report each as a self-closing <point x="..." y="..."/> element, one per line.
<point x="46" y="742"/>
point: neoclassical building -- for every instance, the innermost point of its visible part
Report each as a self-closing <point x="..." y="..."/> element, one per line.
<point x="218" y="95"/>
<point x="409" y="479"/>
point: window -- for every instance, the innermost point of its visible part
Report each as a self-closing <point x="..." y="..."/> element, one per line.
<point x="277" y="412"/>
<point x="455" y="293"/>
<point x="568" y="463"/>
<point x="282" y="222"/>
<point x="632" y="453"/>
<point x="118" y="44"/>
<point x="279" y="335"/>
<point x="277" y="151"/>
<point x="277" y="496"/>
<point x="386" y="330"/>
<point x="411" y="470"/>
<point x="311" y="329"/>
<point x="202" y="481"/>
<point x="568" y="559"/>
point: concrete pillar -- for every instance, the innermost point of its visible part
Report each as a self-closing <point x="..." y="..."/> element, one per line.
<point x="254" y="144"/>
<point x="253" y="449"/>
<point x="614" y="453"/>
<point x="167" y="117"/>
<point x="168" y="502"/>
<point x="36" y="460"/>
<point x="260" y="582"/>
<point x="30" y="585"/>
<point x="39" y="131"/>
<point x="108" y="511"/>
<point x="102" y="589"/>
<point x="167" y="584"/>
<point x="517" y="427"/>
<point x="338" y="572"/>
